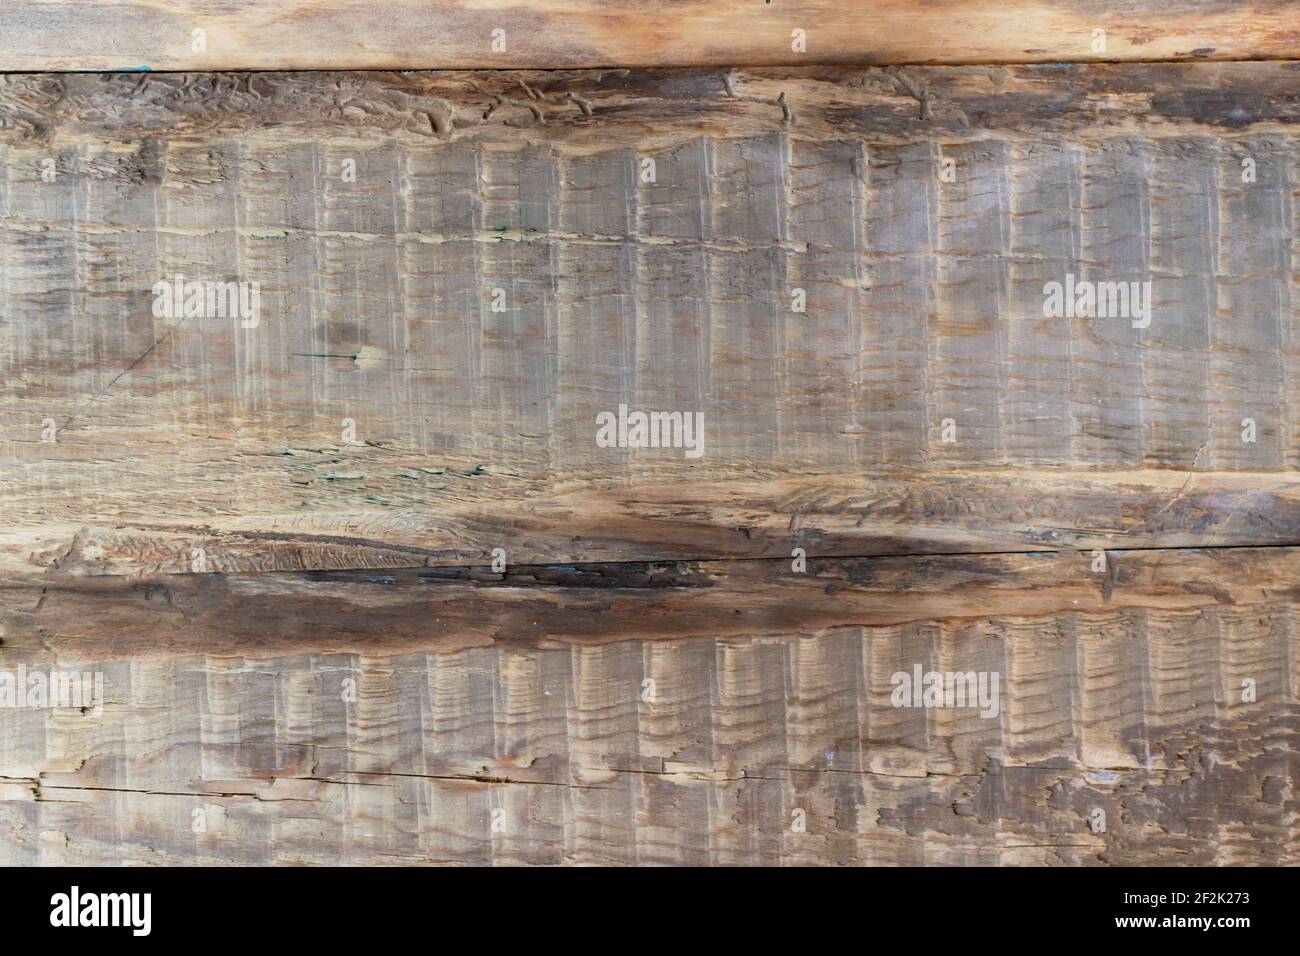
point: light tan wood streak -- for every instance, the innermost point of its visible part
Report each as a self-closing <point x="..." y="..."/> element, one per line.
<point x="455" y="34"/>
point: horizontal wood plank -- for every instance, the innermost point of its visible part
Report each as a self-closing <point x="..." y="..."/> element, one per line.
<point x="447" y="34"/>
<point x="274" y="542"/>
<point x="685" y="714"/>
<point x="997" y="511"/>
<point x="442" y="610"/>
<point x="382" y="412"/>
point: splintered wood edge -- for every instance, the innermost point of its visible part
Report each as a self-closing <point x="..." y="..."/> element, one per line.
<point x="444" y="611"/>
<point x="597" y="109"/>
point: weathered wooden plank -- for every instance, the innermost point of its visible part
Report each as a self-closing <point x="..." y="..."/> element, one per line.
<point x="449" y="609"/>
<point x="459" y="272"/>
<point x="945" y="513"/>
<point x="443" y="34"/>
<point x="773" y="740"/>
<point x="649" y="108"/>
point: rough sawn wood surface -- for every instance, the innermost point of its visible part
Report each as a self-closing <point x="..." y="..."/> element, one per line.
<point x="303" y="640"/>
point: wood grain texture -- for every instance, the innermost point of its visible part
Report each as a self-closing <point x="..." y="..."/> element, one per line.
<point x="453" y="34"/>
<point x="443" y="610"/>
<point x="1130" y="703"/>
<point x="994" y="511"/>
<point x="824" y="429"/>
<point x="342" y="678"/>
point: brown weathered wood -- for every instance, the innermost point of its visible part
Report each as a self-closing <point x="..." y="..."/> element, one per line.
<point x="766" y="695"/>
<point x="448" y="34"/>
<point x="996" y="511"/>
<point x="444" y="610"/>
<point x="600" y="109"/>
<point x="475" y="429"/>
<point x="302" y="638"/>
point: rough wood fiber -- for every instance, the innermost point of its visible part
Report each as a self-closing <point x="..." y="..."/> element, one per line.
<point x="823" y="429"/>
<point x="451" y="609"/>
<point x="454" y="34"/>
<point x="363" y="566"/>
<point x="1135" y="710"/>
